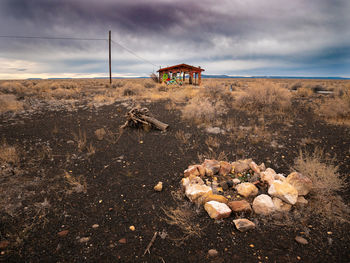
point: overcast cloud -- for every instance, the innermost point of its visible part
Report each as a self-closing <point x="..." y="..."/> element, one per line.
<point x="234" y="37"/>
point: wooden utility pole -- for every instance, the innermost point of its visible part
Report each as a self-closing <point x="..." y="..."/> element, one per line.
<point x="110" y="58"/>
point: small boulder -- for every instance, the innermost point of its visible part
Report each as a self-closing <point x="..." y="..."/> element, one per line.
<point x="191" y="180"/>
<point x="201" y="169"/>
<point x="268" y="176"/>
<point x="284" y="191"/>
<point x="247" y="189"/>
<point x="254" y="167"/>
<point x="217" y="210"/>
<point x="301" y="182"/>
<point x="241" y="166"/>
<point x="263" y="205"/>
<point x="243" y="224"/>
<point x="262" y="167"/>
<point x="211" y="197"/>
<point x="191" y="170"/>
<point x="280" y="205"/>
<point x="225" y="168"/>
<point x="280" y="177"/>
<point x="158" y="187"/>
<point x="194" y="191"/>
<point x="211" y="167"/>
<point x="240" y="206"/>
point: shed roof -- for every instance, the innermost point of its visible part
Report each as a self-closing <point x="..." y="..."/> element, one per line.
<point x="182" y="67"/>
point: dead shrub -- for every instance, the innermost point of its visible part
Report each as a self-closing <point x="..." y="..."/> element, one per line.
<point x="9" y="102"/>
<point x="203" y="110"/>
<point x="327" y="182"/>
<point x="149" y="85"/>
<point x="304" y="92"/>
<point x="80" y="139"/>
<point x="336" y="110"/>
<point x="12" y="87"/>
<point x="8" y="154"/>
<point x="268" y="98"/>
<point x="182" y="218"/>
<point x="154" y="77"/>
<point x="78" y="184"/>
<point x="117" y="84"/>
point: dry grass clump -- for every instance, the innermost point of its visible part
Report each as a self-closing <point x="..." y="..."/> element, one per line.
<point x="9" y="102"/>
<point x="207" y="104"/>
<point x="183" y="218"/>
<point x="337" y="110"/>
<point x="8" y="154"/>
<point x="264" y="97"/>
<point x="12" y="87"/>
<point x="78" y="184"/>
<point x="327" y="182"/>
<point x="304" y="92"/>
<point x="80" y="139"/>
<point x="203" y="110"/>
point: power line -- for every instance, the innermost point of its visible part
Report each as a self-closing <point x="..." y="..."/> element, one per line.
<point x="133" y="53"/>
<point x="54" y="38"/>
<point x="78" y="38"/>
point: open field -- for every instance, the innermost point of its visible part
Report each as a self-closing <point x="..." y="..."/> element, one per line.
<point x="69" y="192"/>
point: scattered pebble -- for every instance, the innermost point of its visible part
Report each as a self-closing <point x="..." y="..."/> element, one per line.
<point x="158" y="187"/>
<point x="212" y="253"/>
<point x="301" y="240"/>
<point x="122" y="240"/>
<point x="4" y="244"/>
<point x="251" y="245"/>
<point x="95" y="225"/>
<point x="132" y="228"/>
<point x="84" y="239"/>
<point x="329" y="233"/>
<point x="63" y="233"/>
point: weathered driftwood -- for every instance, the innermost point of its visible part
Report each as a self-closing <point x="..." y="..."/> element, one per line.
<point x="139" y="116"/>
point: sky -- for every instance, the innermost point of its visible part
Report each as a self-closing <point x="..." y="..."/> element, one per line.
<point x="235" y="37"/>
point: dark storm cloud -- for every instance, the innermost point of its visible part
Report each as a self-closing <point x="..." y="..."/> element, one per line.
<point x="212" y="33"/>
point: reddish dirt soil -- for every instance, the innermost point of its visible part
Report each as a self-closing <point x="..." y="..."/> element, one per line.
<point x="120" y="177"/>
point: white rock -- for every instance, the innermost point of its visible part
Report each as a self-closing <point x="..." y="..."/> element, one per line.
<point x="263" y="205"/>
<point x="247" y="189"/>
<point x="191" y="180"/>
<point x="194" y="191"/>
<point x="254" y="167"/>
<point x="236" y="181"/>
<point x="284" y="191"/>
<point x="217" y="210"/>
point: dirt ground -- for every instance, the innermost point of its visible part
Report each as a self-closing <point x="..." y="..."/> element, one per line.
<point x="73" y="197"/>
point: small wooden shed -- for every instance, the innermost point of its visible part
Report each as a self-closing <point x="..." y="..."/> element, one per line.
<point x="180" y="71"/>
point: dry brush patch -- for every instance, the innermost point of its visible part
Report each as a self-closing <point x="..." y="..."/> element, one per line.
<point x="8" y="153"/>
<point x="337" y="110"/>
<point x="327" y="184"/>
<point x="264" y="97"/>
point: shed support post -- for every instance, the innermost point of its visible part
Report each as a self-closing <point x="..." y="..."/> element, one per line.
<point x="199" y="78"/>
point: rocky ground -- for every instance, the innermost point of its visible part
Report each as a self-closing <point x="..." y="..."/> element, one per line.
<point x="78" y="195"/>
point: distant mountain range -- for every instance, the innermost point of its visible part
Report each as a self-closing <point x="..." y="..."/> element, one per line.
<point x="220" y="77"/>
